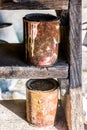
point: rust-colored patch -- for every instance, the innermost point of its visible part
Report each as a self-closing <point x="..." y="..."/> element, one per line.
<point x="41" y="106"/>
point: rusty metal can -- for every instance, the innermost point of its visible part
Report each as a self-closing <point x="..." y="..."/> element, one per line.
<point x="42" y="38"/>
<point x="41" y="101"/>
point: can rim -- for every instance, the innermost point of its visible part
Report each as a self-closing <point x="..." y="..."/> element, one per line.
<point x="54" y="82"/>
<point x="41" y="17"/>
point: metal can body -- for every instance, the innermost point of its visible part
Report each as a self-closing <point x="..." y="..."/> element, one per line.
<point x="42" y="36"/>
<point x="41" y="106"/>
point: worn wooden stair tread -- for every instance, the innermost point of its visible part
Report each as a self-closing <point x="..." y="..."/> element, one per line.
<point x="13" y="64"/>
<point x="37" y="4"/>
<point x="13" y="116"/>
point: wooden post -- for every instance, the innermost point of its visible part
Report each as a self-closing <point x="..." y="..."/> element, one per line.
<point x="75" y="65"/>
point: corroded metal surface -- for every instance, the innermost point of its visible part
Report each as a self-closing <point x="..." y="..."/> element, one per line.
<point x="41" y="106"/>
<point x="42" y="37"/>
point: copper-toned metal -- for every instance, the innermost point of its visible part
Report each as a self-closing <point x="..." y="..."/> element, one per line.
<point x="42" y="37"/>
<point x="41" y="101"/>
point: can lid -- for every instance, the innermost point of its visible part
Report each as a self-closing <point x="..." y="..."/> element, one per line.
<point x="38" y="17"/>
<point x="42" y="85"/>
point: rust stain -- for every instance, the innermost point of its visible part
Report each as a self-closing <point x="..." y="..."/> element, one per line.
<point x="41" y="106"/>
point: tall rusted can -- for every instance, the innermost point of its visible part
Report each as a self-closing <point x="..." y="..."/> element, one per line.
<point x="41" y="101"/>
<point x="42" y="38"/>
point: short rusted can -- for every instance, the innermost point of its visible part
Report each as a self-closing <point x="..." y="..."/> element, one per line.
<point x="41" y="101"/>
<point x="42" y="38"/>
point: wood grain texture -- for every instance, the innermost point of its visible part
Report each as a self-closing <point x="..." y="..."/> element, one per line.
<point x="75" y="44"/>
<point x="75" y="65"/>
<point x="13" y="64"/>
<point x="76" y="109"/>
<point x="37" y="4"/>
<point x="13" y="116"/>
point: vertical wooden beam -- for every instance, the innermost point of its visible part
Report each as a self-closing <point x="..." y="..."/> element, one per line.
<point x="75" y="65"/>
<point x="75" y="43"/>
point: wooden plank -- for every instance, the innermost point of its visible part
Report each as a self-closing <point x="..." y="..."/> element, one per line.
<point x="75" y="44"/>
<point x="37" y="4"/>
<point x="60" y="71"/>
<point x="76" y="109"/>
<point x="13" y="116"/>
<point x="13" y="64"/>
